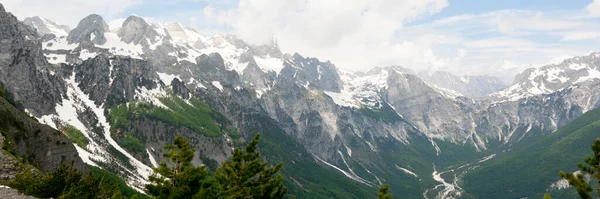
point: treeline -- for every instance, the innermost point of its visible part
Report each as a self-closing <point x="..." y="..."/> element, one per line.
<point x="66" y="183"/>
<point x="244" y="175"/>
<point x="591" y="169"/>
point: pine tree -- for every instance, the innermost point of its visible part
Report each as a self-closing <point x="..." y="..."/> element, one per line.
<point x="183" y="180"/>
<point x="246" y="176"/>
<point x="584" y="189"/>
<point x="383" y="192"/>
<point x="243" y="176"/>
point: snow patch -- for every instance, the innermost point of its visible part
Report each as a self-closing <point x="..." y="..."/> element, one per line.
<point x="349" y="175"/>
<point x="407" y="171"/>
<point x="86" y="54"/>
<point x="117" y="47"/>
<point x="592" y="74"/>
<point x="218" y="85"/>
<point x="152" y="160"/>
<point x="344" y="98"/>
<point x="167" y="78"/>
<point x="56" y="58"/>
<point x="85" y="156"/>
<point x="152" y="96"/>
<point x="270" y="64"/>
<point x="59" y="43"/>
<point x="554" y="75"/>
<point x="487" y="158"/>
<point x="577" y="66"/>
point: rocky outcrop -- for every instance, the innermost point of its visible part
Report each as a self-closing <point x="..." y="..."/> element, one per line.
<point x="135" y="30"/>
<point x="39" y="144"/>
<point x="310" y="72"/>
<point x="90" y="30"/>
<point x="24" y="71"/>
<point x="7" y="192"/>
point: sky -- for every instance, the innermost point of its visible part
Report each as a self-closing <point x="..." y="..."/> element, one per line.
<point x="466" y="37"/>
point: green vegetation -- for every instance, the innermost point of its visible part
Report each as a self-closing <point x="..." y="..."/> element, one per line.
<point x="2" y="93"/>
<point x="8" y="144"/>
<point x="386" y="113"/>
<point x="530" y="167"/>
<point x="233" y="133"/>
<point x="131" y="143"/>
<point x="66" y="182"/>
<point x="75" y="135"/>
<point x="244" y="176"/>
<point x="194" y="114"/>
<point x="584" y="189"/>
<point x="383" y="192"/>
<point x="305" y="178"/>
<point x="111" y="178"/>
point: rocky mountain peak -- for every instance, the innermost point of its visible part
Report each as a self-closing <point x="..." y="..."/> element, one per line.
<point x="45" y="26"/>
<point x="553" y="77"/>
<point x="470" y="86"/>
<point x="311" y="71"/>
<point x="136" y="30"/>
<point x="90" y="29"/>
<point x="181" y="33"/>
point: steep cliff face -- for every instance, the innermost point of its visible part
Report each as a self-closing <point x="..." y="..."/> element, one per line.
<point x="24" y="69"/>
<point x="38" y="144"/>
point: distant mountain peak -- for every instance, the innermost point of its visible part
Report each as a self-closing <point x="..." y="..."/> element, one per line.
<point x="553" y="77"/>
<point x="45" y="26"/>
<point x="467" y="85"/>
<point x="135" y="29"/>
<point x="90" y="29"/>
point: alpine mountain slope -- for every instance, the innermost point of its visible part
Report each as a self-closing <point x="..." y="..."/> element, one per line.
<point x="131" y="86"/>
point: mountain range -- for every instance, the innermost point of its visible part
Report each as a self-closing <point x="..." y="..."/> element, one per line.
<point x="130" y="86"/>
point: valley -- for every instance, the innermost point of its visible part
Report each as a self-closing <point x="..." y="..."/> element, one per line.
<point x="124" y="89"/>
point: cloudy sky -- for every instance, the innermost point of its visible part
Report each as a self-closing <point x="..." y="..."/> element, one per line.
<point x="499" y="38"/>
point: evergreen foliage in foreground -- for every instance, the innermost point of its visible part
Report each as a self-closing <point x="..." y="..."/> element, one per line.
<point x="584" y="189"/>
<point x="383" y="192"/>
<point x="245" y="175"/>
<point x="64" y="183"/>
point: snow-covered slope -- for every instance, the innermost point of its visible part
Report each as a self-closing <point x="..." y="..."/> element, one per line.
<point x="45" y="26"/>
<point x="552" y="78"/>
<point x="469" y="86"/>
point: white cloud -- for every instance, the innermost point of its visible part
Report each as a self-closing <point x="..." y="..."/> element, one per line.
<point x="497" y="42"/>
<point x="580" y="35"/>
<point x="535" y="22"/>
<point x="68" y="12"/>
<point x="594" y="8"/>
<point x="356" y="35"/>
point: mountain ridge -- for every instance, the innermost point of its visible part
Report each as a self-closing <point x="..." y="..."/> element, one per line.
<point x="369" y="128"/>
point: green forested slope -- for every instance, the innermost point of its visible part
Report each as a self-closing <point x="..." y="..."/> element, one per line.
<point x="531" y="167"/>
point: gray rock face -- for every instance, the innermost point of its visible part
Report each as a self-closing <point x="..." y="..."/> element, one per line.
<point x="90" y="29"/>
<point x="45" y="26"/>
<point x="9" y="166"/>
<point x="46" y="146"/>
<point x="136" y="30"/>
<point x="426" y="108"/>
<point x="310" y="72"/>
<point x="212" y="68"/>
<point x="469" y="86"/>
<point x="7" y="192"/>
<point x="24" y="69"/>
<point x="551" y="78"/>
